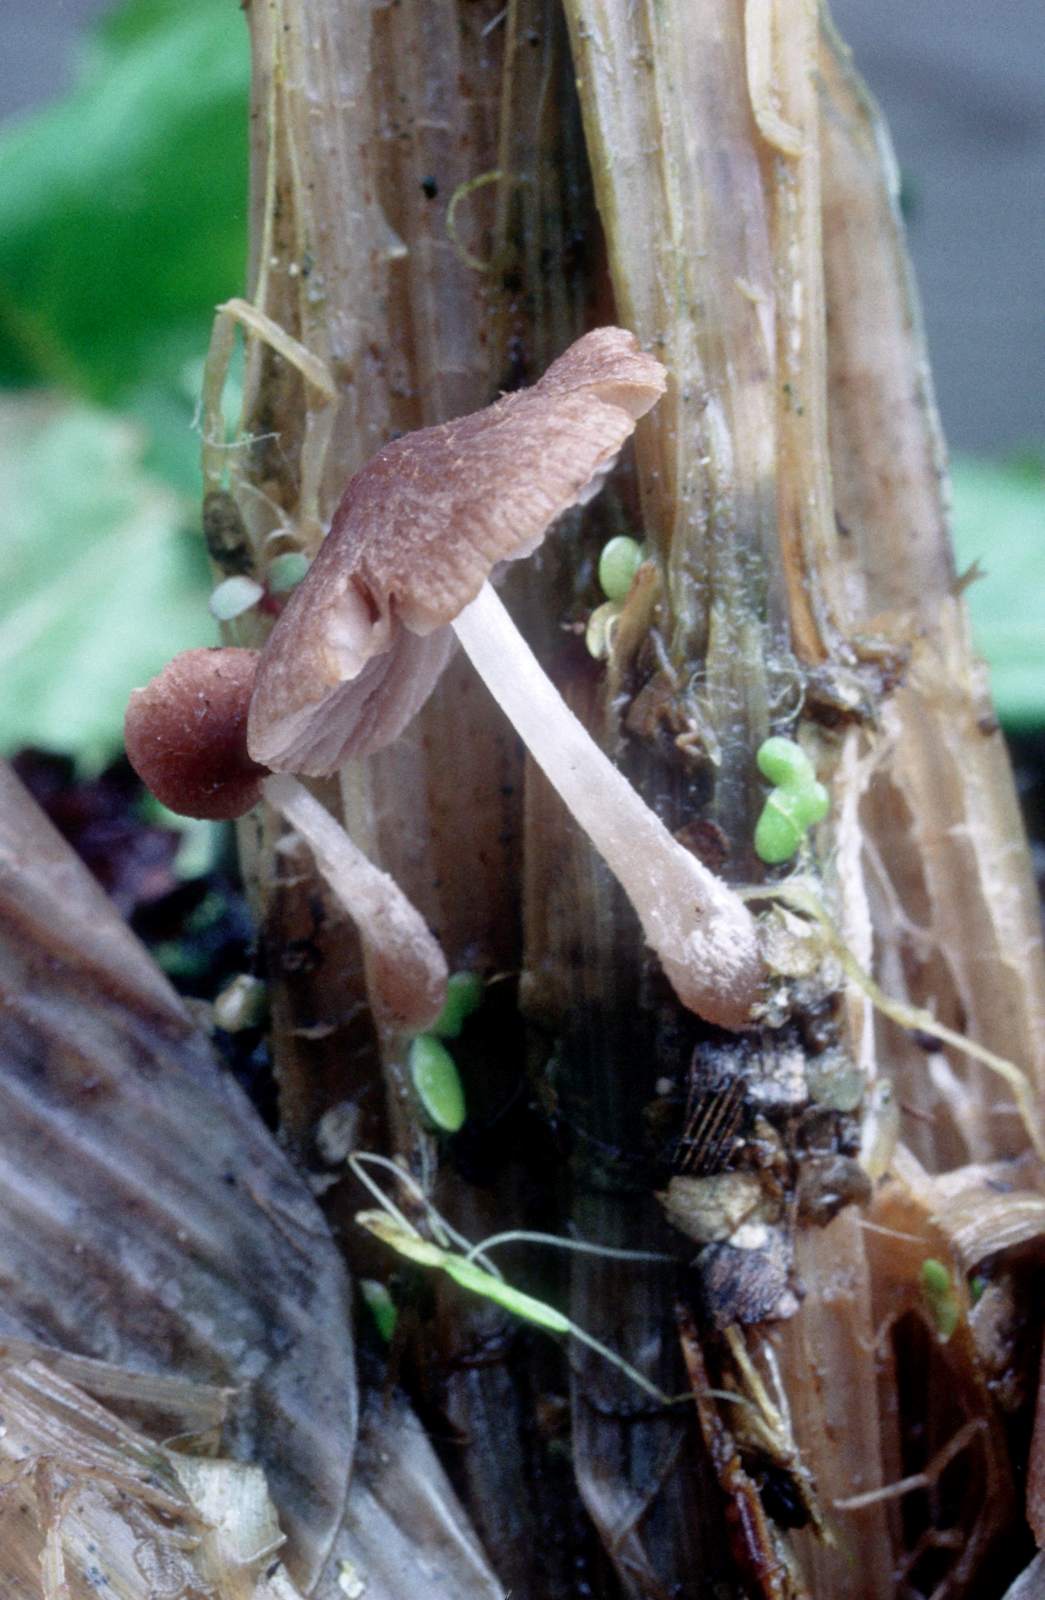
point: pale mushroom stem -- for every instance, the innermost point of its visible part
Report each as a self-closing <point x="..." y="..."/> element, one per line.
<point x="408" y="970"/>
<point x="702" y="932"/>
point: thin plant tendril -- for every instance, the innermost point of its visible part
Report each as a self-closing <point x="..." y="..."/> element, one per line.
<point x="582" y="1246"/>
<point x="444" y="1231"/>
<point x="802" y="899"/>
<point x="403" y="1237"/>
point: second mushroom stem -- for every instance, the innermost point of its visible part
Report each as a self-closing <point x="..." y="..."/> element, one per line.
<point x="407" y="967"/>
<point x="702" y="932"/>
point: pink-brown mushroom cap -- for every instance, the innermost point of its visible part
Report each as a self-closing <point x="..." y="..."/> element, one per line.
<point x="186" y="737"/>
<point x="362" y="641"/>
<point x="186" y="734"/>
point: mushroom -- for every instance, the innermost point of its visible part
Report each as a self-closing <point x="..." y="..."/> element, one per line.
<point x="185" y="735"/>
<point x="360" y="644"/>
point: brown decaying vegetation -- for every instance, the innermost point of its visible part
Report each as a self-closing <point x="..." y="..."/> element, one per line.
<point x="712" y="176"/>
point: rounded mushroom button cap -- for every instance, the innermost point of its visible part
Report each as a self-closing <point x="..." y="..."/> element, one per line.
<point x="186" y="738"/>
<point x="186" y="734"/>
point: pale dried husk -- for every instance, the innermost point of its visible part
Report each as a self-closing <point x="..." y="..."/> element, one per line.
<point x="148" y="1219"/>
<point x="88" y="1505"/>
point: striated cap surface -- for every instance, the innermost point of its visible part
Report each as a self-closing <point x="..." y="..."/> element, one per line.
<point x="360" y="644"/>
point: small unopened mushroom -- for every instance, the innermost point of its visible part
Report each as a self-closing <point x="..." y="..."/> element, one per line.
<point x="184" y="734"/>
<point x="418" y="531"/>
<point x="186" y="737"/>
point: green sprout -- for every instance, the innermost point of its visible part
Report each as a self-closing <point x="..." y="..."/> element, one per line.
<point x="940" y="1297"/>
<point x="286" y="572"/>
<point x="381" y="1307"/>
<point x="785" y="763"/>
<point x="233" y="597"/>
<point x="598" y="636"/>
<point x="475" y="1279"/>
<point x="464" y="1268"/>
<point x="621" y="558"/>
<point x="464" y="994"/>
<point x="785" y="818"/>
<point x="795" y="802"/>
<point x="437" y="1082"/>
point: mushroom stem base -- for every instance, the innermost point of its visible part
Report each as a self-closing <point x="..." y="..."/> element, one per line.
<point x="407" y="968"/>
<point x="703" y="933"/>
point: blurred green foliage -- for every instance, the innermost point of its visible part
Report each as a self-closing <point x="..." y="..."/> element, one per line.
<point x="124" y="216"/>
<point x="124" y="223"/>
<point x="103" y="579"/>
<point x="999" y="523"/>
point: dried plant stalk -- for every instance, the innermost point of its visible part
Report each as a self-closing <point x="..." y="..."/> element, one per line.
<point x="956" y="910"/>
<point x="149" y="1220"/>
<point x="431" y="224"/>
<point x="88" y="1505"/>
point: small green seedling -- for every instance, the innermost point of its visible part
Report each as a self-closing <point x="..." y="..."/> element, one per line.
<point x="785" y="818"/>
<point x="795" y="802"/>
<point x="438" y="1082"/>
<point x="476" y="1279"/>
<point x="785" y="763"/>
<point x="941" y="1299"/>
<point x="392" y="1228"/>
<point x="286" y="572"/>
<point x="464" y="995"/>
<point x="381" y="1307"/>
<point x="233" y="597"/>
<point x="598" y="635"/>
<point x="621" y="558"/>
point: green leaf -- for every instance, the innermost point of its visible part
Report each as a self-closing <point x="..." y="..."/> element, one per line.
<point x="124" y="205"/>
<point x="381" y="1306"/>
<point x="618" y="564"/>
<point x="437" y="1082"/>
<point x="785" y="763"/>
<point x="464" y="994"/>
<point x="102" y="580"/>
<point x="942" y="1302"/>
<point x="473" y="1278"/>
<point x="999" y="521"/>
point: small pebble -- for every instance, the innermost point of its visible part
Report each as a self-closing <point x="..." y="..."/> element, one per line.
<point x="233" y="597"/>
